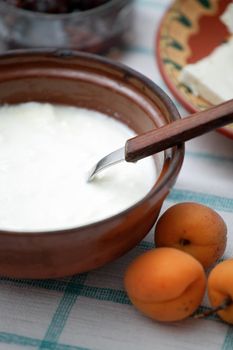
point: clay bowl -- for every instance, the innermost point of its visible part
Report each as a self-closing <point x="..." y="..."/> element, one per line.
<point x="85" y="80"/>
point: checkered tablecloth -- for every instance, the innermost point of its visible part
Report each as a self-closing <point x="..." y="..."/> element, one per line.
<point x="92" y="311"/>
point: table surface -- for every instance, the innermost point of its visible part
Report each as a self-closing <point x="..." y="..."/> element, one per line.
<point x="91" y="311"/>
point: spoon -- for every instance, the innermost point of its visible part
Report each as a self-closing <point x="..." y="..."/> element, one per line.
<point x="172" y="134"/>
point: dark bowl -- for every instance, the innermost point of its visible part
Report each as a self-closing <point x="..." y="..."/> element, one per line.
<point x="85" y="80"/>
<point x="95" y="30"/>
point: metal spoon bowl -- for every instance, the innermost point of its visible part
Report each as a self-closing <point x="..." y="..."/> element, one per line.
<point x="167" y="136"/>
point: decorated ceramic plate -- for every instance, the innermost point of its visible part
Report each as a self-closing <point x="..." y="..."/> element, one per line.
<point x="189" y="31"/>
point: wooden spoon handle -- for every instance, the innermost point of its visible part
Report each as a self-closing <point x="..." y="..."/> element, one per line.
<point x="178" y="131"/>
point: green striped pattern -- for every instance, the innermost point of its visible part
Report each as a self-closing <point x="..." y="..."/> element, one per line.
<point x="75" y="287"/>
<point x="216" y="202"/>
<point x="10" y="338"/>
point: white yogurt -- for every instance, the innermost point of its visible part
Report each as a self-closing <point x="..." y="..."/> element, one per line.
<point x="46" y="152"/>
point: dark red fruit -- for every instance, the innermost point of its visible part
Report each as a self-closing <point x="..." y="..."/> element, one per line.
<point x="56" y="6"/>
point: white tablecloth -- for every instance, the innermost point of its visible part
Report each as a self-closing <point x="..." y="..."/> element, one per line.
<point x="91" y="311"/>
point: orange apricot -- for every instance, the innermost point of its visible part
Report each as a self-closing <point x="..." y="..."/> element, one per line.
<point x="165" y="284"/>
<point x="220" y="289"/>
<point x="194" y="228"/>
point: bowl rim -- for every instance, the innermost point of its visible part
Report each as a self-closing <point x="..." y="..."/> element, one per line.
<point x="175" y="158"/>
<point x="56" y="16"/>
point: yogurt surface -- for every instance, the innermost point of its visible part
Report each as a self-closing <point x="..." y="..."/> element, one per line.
<point x="46" y="152"/>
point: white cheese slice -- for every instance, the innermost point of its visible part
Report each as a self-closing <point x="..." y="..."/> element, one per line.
<point x="212" y="77"/>
<point x="227" y="17"/>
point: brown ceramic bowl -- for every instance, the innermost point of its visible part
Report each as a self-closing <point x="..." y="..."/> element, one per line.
<point x="85" y="80"/>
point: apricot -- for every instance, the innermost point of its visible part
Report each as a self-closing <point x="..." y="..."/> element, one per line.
<point x="194" y="228"/>
<point x="220" y="289"/>
<point x="165" y="284"/>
